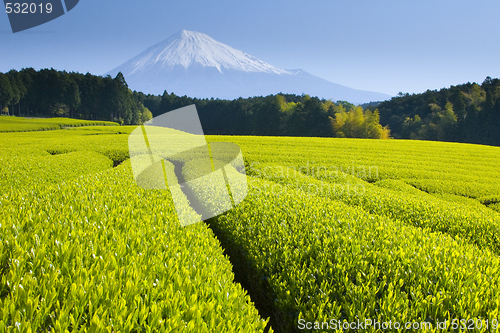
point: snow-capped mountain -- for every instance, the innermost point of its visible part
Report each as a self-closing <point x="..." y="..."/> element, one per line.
<point x="194" y="64"/>
<point x="188" y="48"/>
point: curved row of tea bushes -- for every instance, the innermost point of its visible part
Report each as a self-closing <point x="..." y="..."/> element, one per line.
<point x="400" y="186"/>
<point x="22" y="168"/>
<point x="462" y="169"/>
<point x="99" y="253"/>
<point x="492" y="201"/>
<point x="495" y="206"/>
<point x="19" y="124"/>
<point x="112" y="142"/>
<point x="316" y="259"/>
<point x="480" y="227"/>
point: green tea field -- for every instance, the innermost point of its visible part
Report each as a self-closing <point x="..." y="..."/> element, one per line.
<point x="352" y="235"/>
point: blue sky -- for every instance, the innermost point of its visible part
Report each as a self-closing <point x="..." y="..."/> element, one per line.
<point x="379" y="45"/>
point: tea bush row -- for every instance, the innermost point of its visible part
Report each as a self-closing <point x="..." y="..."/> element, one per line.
<point x="19" y="124"/>
<point x="480" y="227"/>
<point x="28" y="167"/>
<point x="98" y="253"/>
<point x="312" y="258"/>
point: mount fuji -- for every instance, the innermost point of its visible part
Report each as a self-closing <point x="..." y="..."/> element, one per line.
<point x="194" y="64"/>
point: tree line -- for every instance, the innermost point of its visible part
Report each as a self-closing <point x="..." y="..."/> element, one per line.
<point x="275" y="115"/>
<point x="49" y="93"/>
<point x="58" y="93"/>
<point x="468" y="113"/>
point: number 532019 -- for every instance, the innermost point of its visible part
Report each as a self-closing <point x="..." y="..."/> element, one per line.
<point x="27" y="8"/>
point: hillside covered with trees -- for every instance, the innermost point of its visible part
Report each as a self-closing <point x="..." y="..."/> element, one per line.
<point x="54" y="93"/>
<point x="464" y="113"/>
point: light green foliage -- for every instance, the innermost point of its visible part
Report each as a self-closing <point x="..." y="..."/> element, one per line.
<point x="492" y="201"/>
<point x="473" y="203"/>
<point x="285" y="107"/>
<point x="398" y="185"/>
<point x="36" y="167"/>
<point x="100" y="254"/>
<point x="110" y="141"/>
<point x="495" y="206"/>
<point x="209" y="187"/>
<point x="186" y="214"/>
<point x="462" y="169"/>
<point x="480" y="227"/>
<point x="18" y="124"/>
<point x="83" y="248"/>
<point x="423" y="222"/>
<point x="317" y="259"/>
<point x="146" y="115"/>
<point x="355" y="123"/>
<point x="415" y="239"/>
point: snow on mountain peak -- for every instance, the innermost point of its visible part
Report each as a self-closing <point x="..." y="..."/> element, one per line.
<point x="194" y="64"/>
<point x="187" y="48"/>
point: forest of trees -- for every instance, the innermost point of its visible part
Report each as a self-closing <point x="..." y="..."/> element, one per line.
<point x="465" y="113"/>
<point x="283" y="115"/>
<point x="48" y="93"/>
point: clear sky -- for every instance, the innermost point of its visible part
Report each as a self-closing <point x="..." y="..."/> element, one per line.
<point x="386" y="46"/>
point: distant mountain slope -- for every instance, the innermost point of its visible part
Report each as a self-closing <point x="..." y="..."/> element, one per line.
<point x="194" y="64"/>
